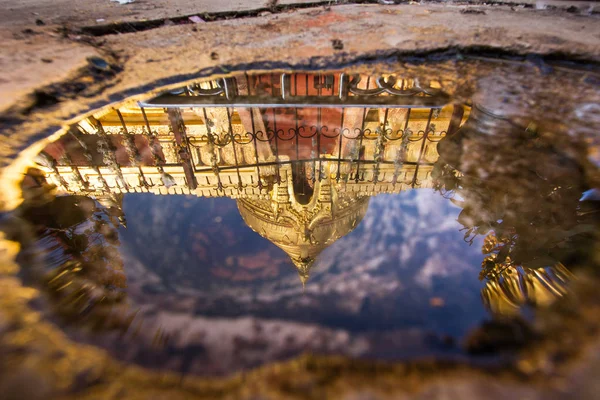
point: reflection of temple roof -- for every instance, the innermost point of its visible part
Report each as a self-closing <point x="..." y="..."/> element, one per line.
<point x="514" y="288"/>
<point x="304" y="231"/>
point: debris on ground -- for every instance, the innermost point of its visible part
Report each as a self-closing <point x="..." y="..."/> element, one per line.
<point x="472" y="11"/>
<point x="196" y="19"/>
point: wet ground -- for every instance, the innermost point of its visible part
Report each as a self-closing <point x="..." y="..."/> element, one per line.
<point x="333" y="220"/>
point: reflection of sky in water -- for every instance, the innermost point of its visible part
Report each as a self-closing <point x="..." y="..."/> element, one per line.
<point x="406" y="266"/>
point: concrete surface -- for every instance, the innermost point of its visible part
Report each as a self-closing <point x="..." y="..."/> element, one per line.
<point x="53" y="71"/>
<point x="97" y="12"/>
<point x="292" y="35"/>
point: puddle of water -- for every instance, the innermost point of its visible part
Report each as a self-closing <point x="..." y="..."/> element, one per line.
<point x="249" y="219"/>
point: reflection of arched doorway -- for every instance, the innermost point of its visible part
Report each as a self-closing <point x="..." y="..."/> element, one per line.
<point x="303" y="187"/>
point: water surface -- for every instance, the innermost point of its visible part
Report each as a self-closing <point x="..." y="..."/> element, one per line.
<point x="249" y="219"/>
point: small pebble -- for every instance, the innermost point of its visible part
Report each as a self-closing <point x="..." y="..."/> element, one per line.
<point x="196" y="19"/>
<point x="99" y="63"/>
<point x="337" y="44"/>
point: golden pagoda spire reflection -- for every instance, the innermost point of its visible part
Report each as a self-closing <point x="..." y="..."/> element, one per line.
<point x="303" y="231"/>
<point x="303" y="271"/>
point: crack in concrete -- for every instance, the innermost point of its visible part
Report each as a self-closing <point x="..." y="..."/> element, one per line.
<point x="272" y="7"/>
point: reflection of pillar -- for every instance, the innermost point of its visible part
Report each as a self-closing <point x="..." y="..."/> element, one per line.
<point x="231" y="142"/>
<point x="393" y="118"/>
<point x="455" y="120"/>
<point x="353" y="126"/>
<point x="392" y="121"/>
<point x="108" y="150"/>
<point x="219" y="120"/>
<point x="180" y="138"/>
<point x="252" y="121"/>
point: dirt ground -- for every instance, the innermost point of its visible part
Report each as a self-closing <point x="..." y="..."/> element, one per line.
<point x="60" y="59"/>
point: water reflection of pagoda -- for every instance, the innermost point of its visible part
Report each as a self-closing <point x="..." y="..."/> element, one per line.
<point x="301" y="153"/>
